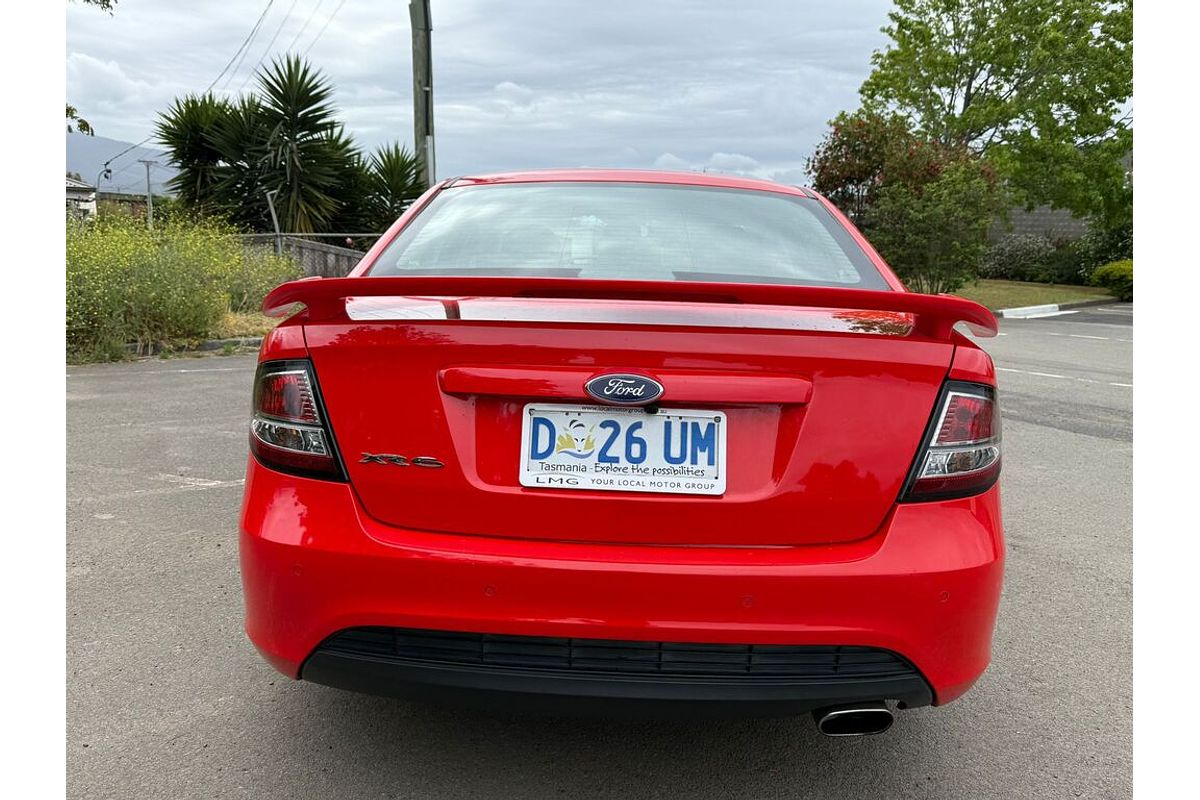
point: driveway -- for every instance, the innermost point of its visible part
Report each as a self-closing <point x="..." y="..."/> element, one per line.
<point x="167" y="699"/>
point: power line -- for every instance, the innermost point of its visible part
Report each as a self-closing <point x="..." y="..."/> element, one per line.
<point x="206" y="91"/>
<point x="323" y="27"/>
<point x="270" y="44"/>
<point x="245" y="50"/>
<point x="304" y="27"/>
<point x="245" y="44"/>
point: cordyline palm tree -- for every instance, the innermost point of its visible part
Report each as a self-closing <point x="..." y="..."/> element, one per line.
<point x="240" y="181"/>
<point x="185" y="129"/>
<point x="285" y="139"/>
<point x="306" y="148"/>
<point x="396" y="180"/>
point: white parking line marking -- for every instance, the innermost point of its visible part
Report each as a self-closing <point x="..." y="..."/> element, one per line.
<point x="1075" y="335"/>
<point x="184" y="487"/>
<point x="153" y="372"/>
<point x="1060" y="377"/>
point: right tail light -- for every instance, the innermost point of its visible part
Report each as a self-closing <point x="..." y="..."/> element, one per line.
<point x="960" y="455"/>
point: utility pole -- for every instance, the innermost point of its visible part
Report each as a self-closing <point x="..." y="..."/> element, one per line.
<point x="418" y="13"/>
<point x="149" y="194"/>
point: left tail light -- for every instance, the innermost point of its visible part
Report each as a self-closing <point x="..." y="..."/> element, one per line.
<point x="960" y="455"/>
<point x="289" y="430"/>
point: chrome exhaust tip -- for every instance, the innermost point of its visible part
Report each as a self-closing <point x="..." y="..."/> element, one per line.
<point x="854" y="719"/>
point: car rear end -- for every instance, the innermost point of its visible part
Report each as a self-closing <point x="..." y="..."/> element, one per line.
<point x="602" y="472"/>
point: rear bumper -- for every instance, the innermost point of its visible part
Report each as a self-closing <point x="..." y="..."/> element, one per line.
<point x="926" y="587"/>
<point x="522" y="684"/>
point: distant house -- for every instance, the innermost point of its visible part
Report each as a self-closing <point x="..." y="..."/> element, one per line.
<point x="1056" y="224"/>
<point x="81" y="199"/>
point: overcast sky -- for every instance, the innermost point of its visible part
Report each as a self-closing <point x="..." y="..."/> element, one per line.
<point x="743" y="87"/>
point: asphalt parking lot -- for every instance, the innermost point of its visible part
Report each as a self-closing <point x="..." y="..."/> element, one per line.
<point x="167" y="699"/>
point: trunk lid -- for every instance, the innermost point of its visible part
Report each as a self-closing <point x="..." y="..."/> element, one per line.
<point x="825" y="393"/>
<point x="824" y="415"/>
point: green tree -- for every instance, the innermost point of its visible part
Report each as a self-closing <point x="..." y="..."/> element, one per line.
<point x="185" y="130"/>
<point x="934" y="234"/>
<point x="849" y="164"/>
<point x="284" y="139"/>
<point x="375" y="190"/>
<point x="240" y="179"/>
<point x="306" y="148"/>
<point x="354" y="198"/>
<point x="396" y="179"/>
<point x="864" y="151"/>
<point x="82" y="124"/>
<point x="1039" y="86"/>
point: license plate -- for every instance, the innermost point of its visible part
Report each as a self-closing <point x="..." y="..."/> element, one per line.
<point x="674" y="451"/>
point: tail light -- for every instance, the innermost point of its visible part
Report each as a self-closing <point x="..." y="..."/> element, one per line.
<point x="289" y="431"/>
<point x="960" y="455"/>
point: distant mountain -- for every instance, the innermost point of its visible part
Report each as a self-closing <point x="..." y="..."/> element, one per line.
<point x="87" y="154"/>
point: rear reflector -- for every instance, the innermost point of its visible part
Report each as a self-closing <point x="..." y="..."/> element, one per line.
<point x="961" y="453"/>
<point x="286" y="430"/>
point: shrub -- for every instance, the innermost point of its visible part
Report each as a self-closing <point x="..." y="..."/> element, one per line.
<point x="1020" y="257"/>
<point x="934" y="235"/>
<point x="129" y="284"/>
<point x="255" y="273"/>
<point x="1117" y="277"/>
<point x="1100" y="246"/>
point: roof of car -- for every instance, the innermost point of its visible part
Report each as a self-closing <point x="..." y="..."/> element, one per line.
<point x="631" y="176"/>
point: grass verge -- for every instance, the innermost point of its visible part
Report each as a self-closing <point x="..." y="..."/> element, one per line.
<point x="1016" y="294"/>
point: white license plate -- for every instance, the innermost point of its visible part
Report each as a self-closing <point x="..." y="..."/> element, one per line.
<point x="675" y="451"/>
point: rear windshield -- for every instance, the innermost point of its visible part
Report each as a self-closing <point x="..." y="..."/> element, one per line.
<point x="635" y="231"/>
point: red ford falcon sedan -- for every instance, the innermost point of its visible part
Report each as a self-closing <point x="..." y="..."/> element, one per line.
<point x="634" y="440"/>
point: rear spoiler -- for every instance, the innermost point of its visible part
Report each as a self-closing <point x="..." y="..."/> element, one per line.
<point x="934" y="315"/>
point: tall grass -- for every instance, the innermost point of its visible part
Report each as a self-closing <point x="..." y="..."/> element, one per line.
<point x="127" y="284"/>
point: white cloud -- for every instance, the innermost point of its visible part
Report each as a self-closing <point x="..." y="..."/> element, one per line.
<point x="701" y="85"/>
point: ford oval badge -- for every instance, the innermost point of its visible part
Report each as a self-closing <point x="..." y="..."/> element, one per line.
<point x="620" y="389"/>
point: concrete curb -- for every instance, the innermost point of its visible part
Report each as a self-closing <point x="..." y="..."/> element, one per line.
<point x="220" y="344"/>
<point x="1053" y="308"/>
<point x="208" y="346"/>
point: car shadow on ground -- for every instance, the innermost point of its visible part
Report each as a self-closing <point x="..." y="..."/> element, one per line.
<point x="414" y="747"/>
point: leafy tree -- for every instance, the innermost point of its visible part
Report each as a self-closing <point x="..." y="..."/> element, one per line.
<point x="849" y="164"/>
<point x="1039" y="86"/>
<point x="186" y="131"/>
<point x="82" y="124"/>
<point x="866" y="150"/>
<point x="934" y="234"/>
